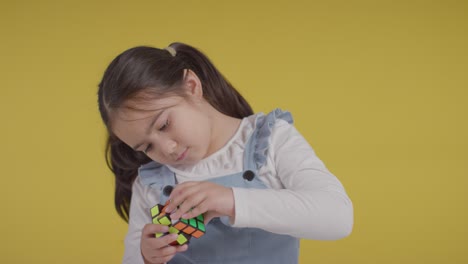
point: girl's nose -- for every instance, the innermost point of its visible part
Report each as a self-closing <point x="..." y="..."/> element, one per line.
<point x="170" y="146"/>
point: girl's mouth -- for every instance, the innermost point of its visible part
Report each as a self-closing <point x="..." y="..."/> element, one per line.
<point x="183" y="155"/>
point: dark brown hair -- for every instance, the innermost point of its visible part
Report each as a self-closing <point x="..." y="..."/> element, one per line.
<point x="155" y="72"/>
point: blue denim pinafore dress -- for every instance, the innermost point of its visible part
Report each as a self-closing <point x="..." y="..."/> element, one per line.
<point x="223" y="243"/>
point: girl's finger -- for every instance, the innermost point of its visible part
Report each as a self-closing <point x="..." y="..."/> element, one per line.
<point x="150" y="229"/>
<point x="188" y="205"/>
<point x="155" y="243"/>
<point x="165" y="240"/>
<point x="182" y="186"/>
<point x="181" y="248"/>
<point x="200" y="208"/>
<point x="167" y="251"/>
<point x="179" y="196"/>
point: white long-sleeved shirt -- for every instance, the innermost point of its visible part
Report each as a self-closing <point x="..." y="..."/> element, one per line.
<point x="300" y="186"/>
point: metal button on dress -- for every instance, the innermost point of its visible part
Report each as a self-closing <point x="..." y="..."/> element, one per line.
<point x="167" y="190"/>
<point x="248" y="175"/>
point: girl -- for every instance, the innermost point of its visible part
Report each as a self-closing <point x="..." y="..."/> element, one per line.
<point x="175" y="123"/>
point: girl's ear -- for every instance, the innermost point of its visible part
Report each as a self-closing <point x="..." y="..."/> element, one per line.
<point x="192" y="84"/>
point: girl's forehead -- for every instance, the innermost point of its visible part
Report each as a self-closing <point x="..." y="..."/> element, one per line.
<point x="139" y="108"/>
<point x="131" y="119"/>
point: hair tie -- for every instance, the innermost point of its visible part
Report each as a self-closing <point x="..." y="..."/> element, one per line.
<point x="171" y="50"/>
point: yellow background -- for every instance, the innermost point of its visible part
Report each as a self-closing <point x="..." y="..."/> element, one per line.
<point x="379" y="88"/>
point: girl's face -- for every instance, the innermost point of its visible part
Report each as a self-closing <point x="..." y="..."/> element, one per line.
<point x="172" y="130"/>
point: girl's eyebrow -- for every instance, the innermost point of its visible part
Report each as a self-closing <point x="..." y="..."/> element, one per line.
<point x="148" y="129"/>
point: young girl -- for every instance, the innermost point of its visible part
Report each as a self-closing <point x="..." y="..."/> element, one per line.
<point x="175" y="123"/>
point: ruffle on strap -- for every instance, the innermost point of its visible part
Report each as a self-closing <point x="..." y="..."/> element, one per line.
<point x="264" y="125"/>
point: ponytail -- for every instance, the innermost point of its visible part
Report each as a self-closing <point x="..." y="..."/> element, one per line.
<point x="217" y="90"/>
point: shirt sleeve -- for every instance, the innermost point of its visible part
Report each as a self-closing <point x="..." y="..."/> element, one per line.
<point x="309" y="203"/>
<point x="139" y="217"/>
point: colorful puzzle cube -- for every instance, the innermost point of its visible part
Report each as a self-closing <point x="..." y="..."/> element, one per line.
<point x="185" y="228"/>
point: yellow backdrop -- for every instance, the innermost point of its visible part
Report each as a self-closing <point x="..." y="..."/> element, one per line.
<point x="379" y="88"/>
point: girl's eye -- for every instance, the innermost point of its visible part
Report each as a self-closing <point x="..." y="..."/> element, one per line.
<point x="163" y="127"/>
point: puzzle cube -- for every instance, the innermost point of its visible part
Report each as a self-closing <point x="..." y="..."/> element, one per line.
<point x="185" y="228"/>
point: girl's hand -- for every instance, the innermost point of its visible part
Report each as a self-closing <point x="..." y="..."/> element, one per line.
<point x="194" y="198"/>
<point x="157" y="250"/>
